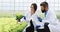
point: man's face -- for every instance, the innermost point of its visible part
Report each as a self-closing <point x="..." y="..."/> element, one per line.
<point x="32" y="9"/>
<point x="43" y="9"/>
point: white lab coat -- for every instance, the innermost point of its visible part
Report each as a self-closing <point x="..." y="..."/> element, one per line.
<point x="34" y="19"/>
<point x="36" y="22"/>
<point x="27" y="15"/>
<point x="51" y="18"/>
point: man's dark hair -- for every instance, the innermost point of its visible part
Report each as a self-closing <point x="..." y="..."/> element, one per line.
<point x="35" y="6"/>
<point x="44" y="4"/>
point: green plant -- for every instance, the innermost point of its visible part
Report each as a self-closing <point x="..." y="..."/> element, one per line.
<point x="19" y="16"/>
<point x="10" y="25"/>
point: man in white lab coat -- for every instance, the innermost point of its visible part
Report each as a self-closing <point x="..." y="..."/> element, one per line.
<point x="50" y="17"/>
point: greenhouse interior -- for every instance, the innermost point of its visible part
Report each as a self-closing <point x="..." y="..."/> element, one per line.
<point x="12" y="10"/>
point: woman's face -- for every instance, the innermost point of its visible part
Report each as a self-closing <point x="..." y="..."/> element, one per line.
<point x="32" y="9"/>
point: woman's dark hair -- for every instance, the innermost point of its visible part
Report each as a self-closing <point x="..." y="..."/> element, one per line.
<point x="44" y="4"/>
<point x="35" y="6"/>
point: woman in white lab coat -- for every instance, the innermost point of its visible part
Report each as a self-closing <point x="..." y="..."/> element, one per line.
<point x="27" y="17"/>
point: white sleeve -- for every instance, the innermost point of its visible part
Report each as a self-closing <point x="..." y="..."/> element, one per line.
<point x="36" y="22"/>
<point x="22" y="20"/>
<point x="45" y="21"/>
<point x="25" y="16"/>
